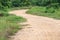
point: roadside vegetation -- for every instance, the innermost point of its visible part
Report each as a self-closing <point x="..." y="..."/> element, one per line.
<point x="43" y="11"/>
<point x="9" y="25"/>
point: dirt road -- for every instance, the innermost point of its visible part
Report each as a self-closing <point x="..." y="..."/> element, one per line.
<point x="37" y="27"/>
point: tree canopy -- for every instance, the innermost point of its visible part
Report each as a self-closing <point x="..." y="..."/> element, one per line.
<point x="18" y="3"/>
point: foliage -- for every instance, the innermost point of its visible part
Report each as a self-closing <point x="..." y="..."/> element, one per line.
<point x="14" y="18"/>
<point x="9" y="25"/>
<point x="41" y="11"/>
<point x="19" y="3"/>
<point x="49" y="4"/>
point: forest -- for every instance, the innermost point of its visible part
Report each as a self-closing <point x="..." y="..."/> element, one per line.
<point x="20" y="3"/>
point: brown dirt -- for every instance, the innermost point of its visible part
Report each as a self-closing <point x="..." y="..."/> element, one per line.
<point x="37" y="27"/>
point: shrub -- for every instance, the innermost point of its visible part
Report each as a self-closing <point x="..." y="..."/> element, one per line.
<point x="3" y="13"/>
<point x="49" y="10"/>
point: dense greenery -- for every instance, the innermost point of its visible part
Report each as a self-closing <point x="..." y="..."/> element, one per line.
<point x="5" y="4"/>
<point x="41" y="11"/>
<point x="8" y="22"/>
<point x="9" y="25"/>
<point x="17" y="3"/>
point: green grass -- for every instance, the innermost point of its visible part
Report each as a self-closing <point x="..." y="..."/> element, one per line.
<point x="13" y="18"/>
<point x="7" y="28"/>
<point x="9" y="25"/>
<point x="41" y="11"/>
<point x="18" y="8"/>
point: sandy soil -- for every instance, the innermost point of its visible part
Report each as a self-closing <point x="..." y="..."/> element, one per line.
<point x="37" y="27"/>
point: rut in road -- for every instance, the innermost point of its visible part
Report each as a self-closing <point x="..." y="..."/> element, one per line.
<point x="38" y="27"/>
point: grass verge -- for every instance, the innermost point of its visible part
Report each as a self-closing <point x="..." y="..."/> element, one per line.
<point x="41" y="11"/>
<point x="18" y="8"/>
<point x="9" y="25"/>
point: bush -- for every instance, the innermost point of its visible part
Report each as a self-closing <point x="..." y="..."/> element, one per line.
<point x="50" y="10"/>
<point x="3" y="13"/>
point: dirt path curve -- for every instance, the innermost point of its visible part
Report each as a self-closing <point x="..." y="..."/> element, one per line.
<point x="39" y="28"/>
